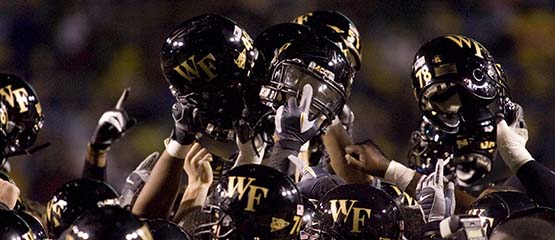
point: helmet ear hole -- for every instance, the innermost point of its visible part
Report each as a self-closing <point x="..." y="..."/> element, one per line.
<point x="478" y="74"/>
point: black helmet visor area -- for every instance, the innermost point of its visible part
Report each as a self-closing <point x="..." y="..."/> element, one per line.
<point x="441" y="102"/>
<point x="327" y="98"/>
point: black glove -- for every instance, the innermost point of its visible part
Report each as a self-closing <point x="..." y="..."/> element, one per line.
<point x="112" y="125"/>
<point x="185" y="117"/>
<point x="292" y="125"/>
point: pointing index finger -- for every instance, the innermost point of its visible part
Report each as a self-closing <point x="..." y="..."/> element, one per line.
<point x="119" y="105"/>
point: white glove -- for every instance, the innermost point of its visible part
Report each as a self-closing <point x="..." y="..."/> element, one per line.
<point x="435" y="201"/>
<point x="250" y="153"/>
<point x="136" y="180"/>
<point x="511" y="143"/>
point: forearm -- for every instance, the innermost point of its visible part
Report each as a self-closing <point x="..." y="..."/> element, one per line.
<point x="95" y="165"/>
<point x="193" y="198"/>
<point x="335" y="140"/>
<point x="539" y="182"/>
<point x="157" y="196"/>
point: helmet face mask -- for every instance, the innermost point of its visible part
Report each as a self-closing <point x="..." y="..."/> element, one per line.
<point x="317" y="62"/>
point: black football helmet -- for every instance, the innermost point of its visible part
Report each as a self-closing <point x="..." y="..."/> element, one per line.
<point x="13" y="226"/>
<point x="109" y="222"/>
<point x="339" y="29"/>
<point x="207" y="61"/>
<point x="253" y="202"/>
<point x="496" y="207"/>
<point x="34" y="224"/>
<point x="24" y="110"/>
<point x="357" y="211"/>
<point x="163" y="229"/>
<point x="73" y="199"/>
<point x="317" y="62"/>
<point x="453" y="72"/>
<point x="476" y="144"/>
<point x="428" y="144"/>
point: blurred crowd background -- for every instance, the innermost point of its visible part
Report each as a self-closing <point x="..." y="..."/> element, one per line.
<point x="80" y="55"/>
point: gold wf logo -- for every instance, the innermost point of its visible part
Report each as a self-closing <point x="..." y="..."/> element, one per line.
<point x="18" y="96"/>
<point x="345" y="207"/>
<point x="239" y="185"/>
<point x="191" y="68"/>
<point x="54" y="210"/>
<point x="464" y="41"/>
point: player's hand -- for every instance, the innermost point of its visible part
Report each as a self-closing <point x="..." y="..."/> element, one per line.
<point x="368" y="158"/>
<point x="112" y="125"/>
<point x="9" y="193"/>
<point x="436" y="201"/>
<point x="251" y="151"/>
<point x="197" y="166"/>
<point x="293" y="128"/>
<point x="185" y="118"/>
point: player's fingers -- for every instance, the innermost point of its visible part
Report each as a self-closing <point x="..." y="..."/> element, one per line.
<point x="306" y="98"/>
<point x="353" y="149"/>
<point x="439" y="173"/>
<point x="351" y="161"/>
<point x="122" y="98"/>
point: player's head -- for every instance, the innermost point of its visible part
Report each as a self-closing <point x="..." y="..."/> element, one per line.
<point x="339" y="29"/>
<point x="317" y="62"/>
<point x="453" y="73"/>
<point x="110" y="222"/>
<point x="253" y="202"/>
<point x="24" y="111"/>
<point x="75" y="198"/>
<point x="207" y="60"/>
<point x="357" y="211"/>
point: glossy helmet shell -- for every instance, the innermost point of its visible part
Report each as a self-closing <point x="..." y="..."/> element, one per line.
<point x="34" y="224"/>
<point x="358" y="211"/>
<point x="164" y="229"/>
<point x="24" y="110"/>
<point x="110" y="222"/>
<point x="428" y="144"/>
<point x="458" y="69"/>
<point x="13" y="227"/>
<point x="339" y="29"/>
<point x="207" y="60"/>
<point x="257" y="202"/>
<point x="73" y="199"/>
<point x="498" y="206"/>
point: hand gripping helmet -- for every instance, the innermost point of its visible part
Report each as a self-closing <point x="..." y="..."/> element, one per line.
<point x="428" y="144"/>
<point x="317" y="62"/>
<point x="339" y="29"/>
<point x="357" y="211"/>
<point x="253" y="202"/>
<point x="13" y="227"/>
<point x="73" y="199"/>
<point x="453" y="72"/>
<point x="267" y="43"/>
<point x="34" y="224"/>
<point x="498" y="206"/>
<point x="207" y="61"/>
<point x="24" y="111"/>
<point x="110" y="222"/>
<point x="164" y="229"/>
